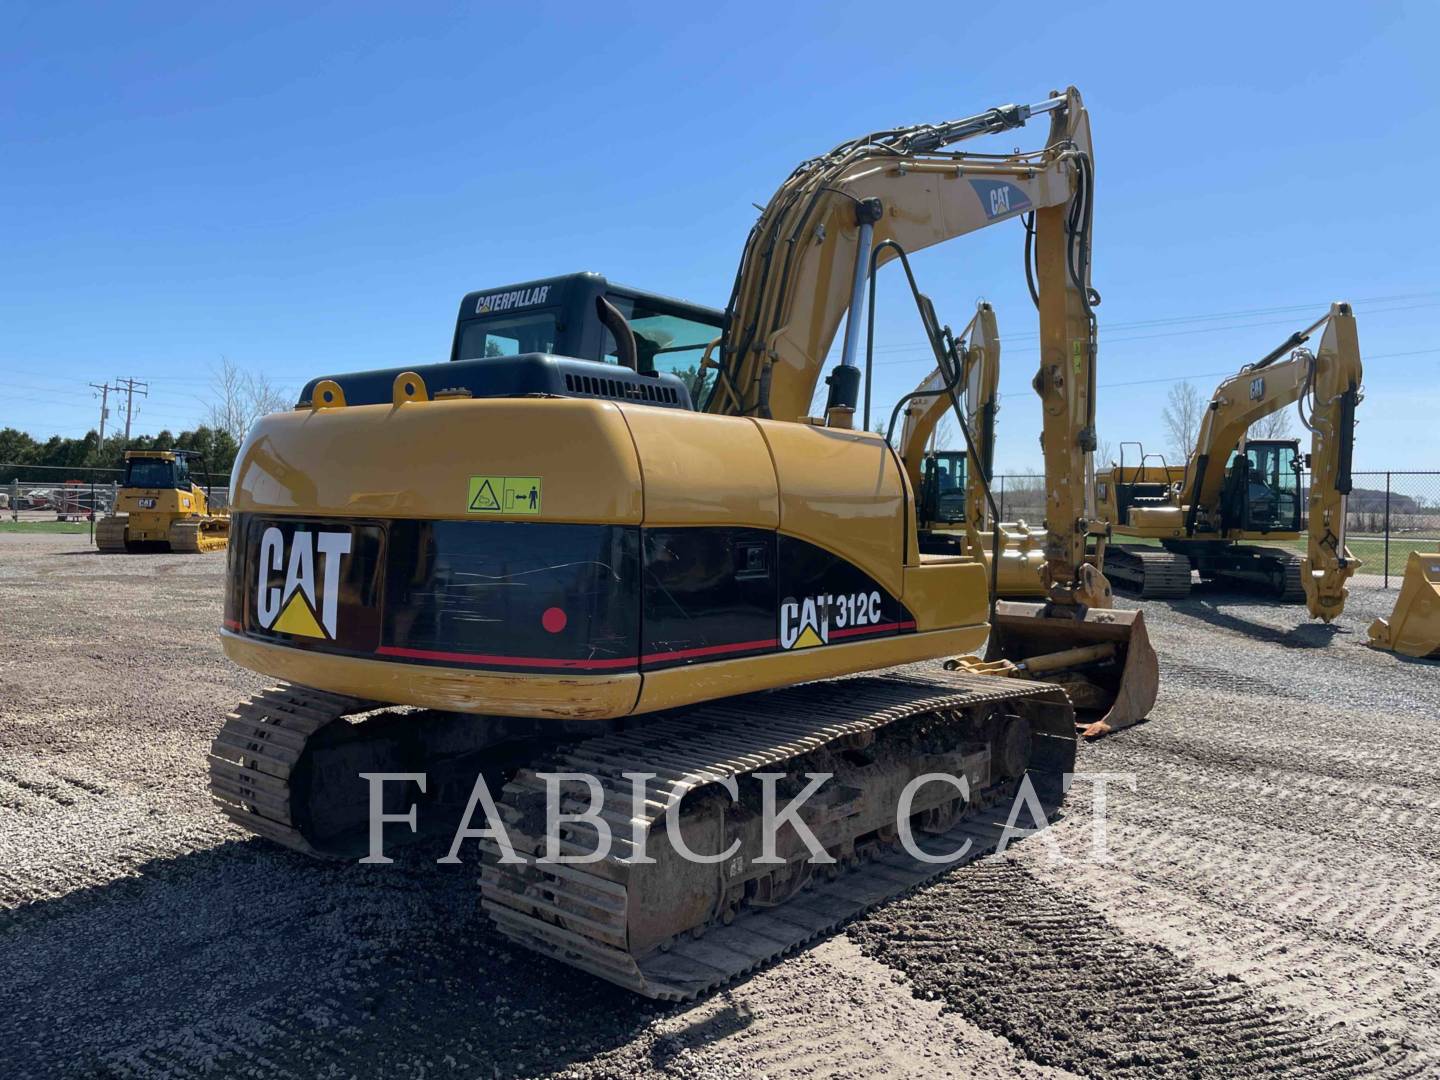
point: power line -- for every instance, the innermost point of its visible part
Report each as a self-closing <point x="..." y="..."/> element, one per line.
<point x="131" y="387"/>
<point x="104" y="389"/>
<point x="1170" y="320"/>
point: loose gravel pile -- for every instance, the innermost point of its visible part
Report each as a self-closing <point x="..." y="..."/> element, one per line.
<point x="1269" y="904"/>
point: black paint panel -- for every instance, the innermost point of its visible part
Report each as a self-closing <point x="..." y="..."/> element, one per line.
<point x="355" y="579"/>
<point x="844" y="601"/>
<point x="709" y="594"/>
<point x="550" y="597"/>
<point x="514" y="593"/>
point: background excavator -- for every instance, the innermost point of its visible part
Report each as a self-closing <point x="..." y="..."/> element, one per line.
<point x="160" y="506"/>
<point x="575" y="565"/>
<point x="1235" y="489"/>
<point x="952" y="508"/>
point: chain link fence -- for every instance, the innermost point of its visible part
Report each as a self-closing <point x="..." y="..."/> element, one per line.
<point x="59" y="493"/>
<point x="1388" y="515"/>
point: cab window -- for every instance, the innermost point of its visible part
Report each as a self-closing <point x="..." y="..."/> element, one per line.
<point x="149" y="473"/>
<point x="665" y="342"/>
<point x="508" y="335"/>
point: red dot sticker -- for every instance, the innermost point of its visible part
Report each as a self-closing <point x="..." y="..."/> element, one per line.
<point x="553" y="620"/>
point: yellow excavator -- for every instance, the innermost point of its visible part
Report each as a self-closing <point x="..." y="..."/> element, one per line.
<point x="608" y="541"/>
<point x="160" y="507"/>
<point x="1234" y="489"/>
<point x="952" y="511"/>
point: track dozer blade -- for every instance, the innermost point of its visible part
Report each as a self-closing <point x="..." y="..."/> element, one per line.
<point x="1413" y="628"/>
<point x="1102" y="657"/>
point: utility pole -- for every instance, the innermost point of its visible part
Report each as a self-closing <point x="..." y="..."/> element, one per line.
<point x="131" y="388"/>
<point x="104" y="407"/>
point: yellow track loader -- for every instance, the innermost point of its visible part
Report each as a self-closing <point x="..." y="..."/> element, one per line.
<point x="1413" y="628"/>
<point x="608" y="541"/>
<point x="159" y="507"/>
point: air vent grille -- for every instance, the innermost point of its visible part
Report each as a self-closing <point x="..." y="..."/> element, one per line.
<point x="619" y="390"/>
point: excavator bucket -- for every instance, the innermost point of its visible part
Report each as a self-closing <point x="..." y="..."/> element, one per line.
<point x="1102" y="658"/>
<point x="1413" y="628"/>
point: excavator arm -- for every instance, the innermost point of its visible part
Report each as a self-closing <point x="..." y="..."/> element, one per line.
<point x="808" y="257"/>
<point x="841" y="216"/>
<point x="973" y="396"/>
<point x="1326" y="385"/>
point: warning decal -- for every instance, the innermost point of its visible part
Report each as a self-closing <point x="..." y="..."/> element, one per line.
<point x="504" y="495"/>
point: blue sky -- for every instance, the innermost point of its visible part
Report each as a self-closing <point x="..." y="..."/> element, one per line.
<point x="307" y="189"/>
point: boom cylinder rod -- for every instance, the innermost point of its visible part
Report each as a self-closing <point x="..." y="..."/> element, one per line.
<point x="867" y="213"/>
<point x="989" y="122"/>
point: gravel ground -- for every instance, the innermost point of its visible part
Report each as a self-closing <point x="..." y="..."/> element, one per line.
<point x="1268" y="902"/>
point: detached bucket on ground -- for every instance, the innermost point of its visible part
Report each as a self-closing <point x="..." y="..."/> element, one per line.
<point x="1413" y="628"/>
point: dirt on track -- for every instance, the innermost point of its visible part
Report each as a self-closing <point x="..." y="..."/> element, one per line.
<point x="1269" y="902"/>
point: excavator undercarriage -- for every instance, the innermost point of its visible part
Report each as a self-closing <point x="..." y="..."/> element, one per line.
<point x="287" y="764"/>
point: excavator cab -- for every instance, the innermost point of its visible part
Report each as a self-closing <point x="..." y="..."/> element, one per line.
<point x="942" y="488"/>
<point x="1262" y="487"/>
<point x="163" y="472"/>
<point x="578" y="315"/>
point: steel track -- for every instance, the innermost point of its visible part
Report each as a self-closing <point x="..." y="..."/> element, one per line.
<point x="579" y="914"/>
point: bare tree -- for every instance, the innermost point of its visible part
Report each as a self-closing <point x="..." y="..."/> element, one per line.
<point x="1104" y="454"/>
<point x="1182" y="418"/>
<point x="239" y="398"/>
<point x="1274" y="426"/>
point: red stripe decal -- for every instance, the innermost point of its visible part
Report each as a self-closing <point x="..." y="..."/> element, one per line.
<point x="231" y="624"/>
<point x="614" y="662"/>
<point x="878" y="628"/>
<point x="508" y="661"/>
<point x="710" y="650"/>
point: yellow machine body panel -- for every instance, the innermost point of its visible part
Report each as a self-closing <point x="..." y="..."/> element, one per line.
<point x="152" y="510"/>
<point x="666" y="557"/>
<point x="1413" y="628"/>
